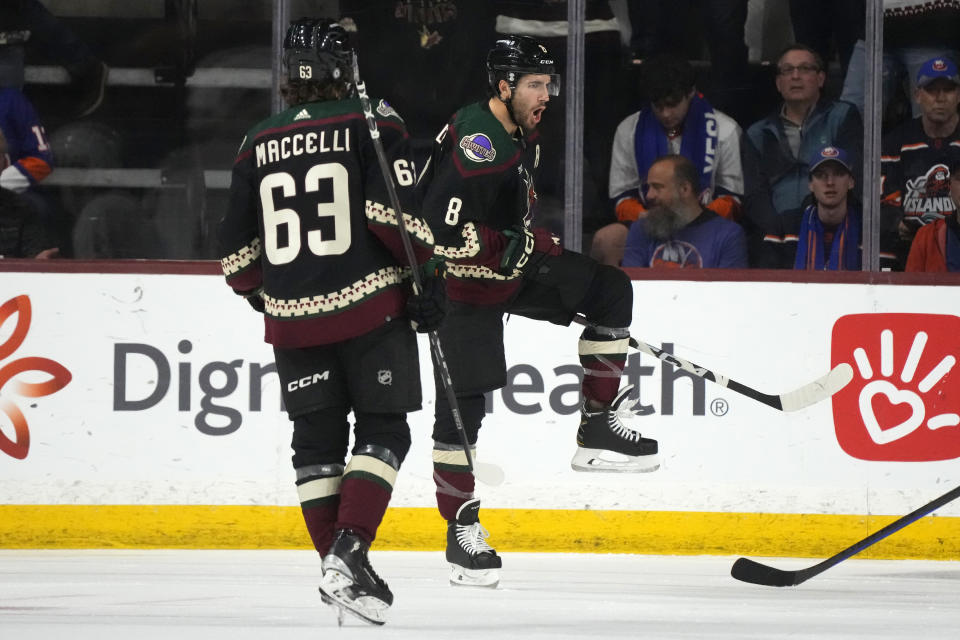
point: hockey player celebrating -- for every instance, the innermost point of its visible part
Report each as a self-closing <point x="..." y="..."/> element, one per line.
<point x="311" y="241"/>
<point x="477" y="193"/>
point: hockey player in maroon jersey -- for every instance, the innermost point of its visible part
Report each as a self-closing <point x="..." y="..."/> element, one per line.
<point x="478" y="194"/>
<point x="311" y="241"/>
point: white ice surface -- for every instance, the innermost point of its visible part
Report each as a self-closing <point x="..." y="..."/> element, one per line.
<point x="206" y="595"/>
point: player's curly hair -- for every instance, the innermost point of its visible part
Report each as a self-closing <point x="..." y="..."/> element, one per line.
<point x="296" y="93"/>
<point x="666" y="78"/>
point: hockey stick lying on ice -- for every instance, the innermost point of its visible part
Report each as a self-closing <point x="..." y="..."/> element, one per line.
<point x="486" y="473"/>
<point x="811" y="393"/>
<point x="749" y="571"/>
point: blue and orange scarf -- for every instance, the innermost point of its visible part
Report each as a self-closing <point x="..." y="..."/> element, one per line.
<point x="699" y="141"/>
<point x="845" y="250"/>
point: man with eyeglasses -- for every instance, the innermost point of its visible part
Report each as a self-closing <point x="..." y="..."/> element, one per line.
<point x="917" y="156"/>
<point x="776" y="149"/>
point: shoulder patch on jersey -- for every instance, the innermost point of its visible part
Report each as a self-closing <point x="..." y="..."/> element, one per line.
<point x="385" y="110"/>
<point x="303" y="115"/>
<point x="478" y="147"/>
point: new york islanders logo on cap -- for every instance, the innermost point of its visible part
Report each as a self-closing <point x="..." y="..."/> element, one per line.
<point x="939" y="65"/>
<point x="478" y="147"/>
<point x="829" y="152"/>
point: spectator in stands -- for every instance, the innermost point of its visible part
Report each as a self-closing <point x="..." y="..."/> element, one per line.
<point x="27" y="146"/>
<point x="826" y="234"/>
<point x="936" y="247"/>
<point x="829" y="26"/>
<point x="776" y="148"/>
<point x="914" y="31"/>
<point x="917" y="155"/>
<point x="24" y="23"/>
<point x="22" y="233"/>
<point x="667" y="26"/>
<point x="678" y="231"/>
<point x="675" y="120"/>
<point x="439" y="40"/>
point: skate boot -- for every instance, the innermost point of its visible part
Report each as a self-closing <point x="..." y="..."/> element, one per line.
<point x="472" y="561"/>
<point x="605" y="443"/>
<point x="350" y="583"/>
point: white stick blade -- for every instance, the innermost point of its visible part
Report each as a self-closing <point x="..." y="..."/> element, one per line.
<point x="818" y="390"/>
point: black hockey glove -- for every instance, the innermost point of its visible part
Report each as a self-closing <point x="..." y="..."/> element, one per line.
<point x="516" y="255"/>
<point x="427" y="310"/>
<point x="255" y="298"/>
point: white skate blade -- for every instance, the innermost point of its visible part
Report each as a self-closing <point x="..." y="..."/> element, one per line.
<point x="334" y="591"/>
<point x="601" y="460"/>
<point x="328" y="600"/>
<point x="463" y="577"/>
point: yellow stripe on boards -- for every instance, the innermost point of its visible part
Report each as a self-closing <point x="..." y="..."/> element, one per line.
<point x="422" y="529"/>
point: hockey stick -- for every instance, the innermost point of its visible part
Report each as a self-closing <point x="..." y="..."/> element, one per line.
<point x="750" y="571"/>
<point x="811" y="393"/>
<point x="486" y="473"/>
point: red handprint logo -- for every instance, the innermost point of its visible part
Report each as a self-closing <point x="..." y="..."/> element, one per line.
<point x="902" y="404"/>
<point x="59" y="377"/>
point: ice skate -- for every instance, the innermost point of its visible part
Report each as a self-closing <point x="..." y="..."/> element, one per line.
<point x="605" y="443"/>
<point x="473" y="562"/>
<point x="350" y="583"/>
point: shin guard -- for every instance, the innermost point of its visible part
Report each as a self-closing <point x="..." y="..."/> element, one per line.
<point x="603" y="355"/>
<point x="455" y="483"/>
<point x="318" y="486"/>
<point x="365" y="492"/>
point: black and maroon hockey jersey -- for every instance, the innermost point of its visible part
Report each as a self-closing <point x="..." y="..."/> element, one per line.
<point x="478" y="182"/>
<point x="916" y="172"/>
<point x="310" y="222"/>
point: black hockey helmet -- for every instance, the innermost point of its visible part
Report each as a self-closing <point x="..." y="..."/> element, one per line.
<point x="317" y="50"/>
<point x="514" y="56"/>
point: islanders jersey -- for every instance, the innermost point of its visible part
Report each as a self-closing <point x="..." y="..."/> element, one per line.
<point x="916" y="172"/>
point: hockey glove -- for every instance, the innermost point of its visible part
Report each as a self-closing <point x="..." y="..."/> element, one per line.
<point x="427" y="310"/>
<point x="255" y="298"/>
<point x="516" y="255"/>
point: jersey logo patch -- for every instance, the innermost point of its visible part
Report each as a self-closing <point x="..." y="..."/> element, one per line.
<point x="385" y="377"/>
<point x="303" y="115"/>
<point x="677" y="254"/>
<point x="478" y="147"/>
<point x="928" y="196"/>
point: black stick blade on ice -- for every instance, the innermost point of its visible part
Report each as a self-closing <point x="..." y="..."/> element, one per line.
<point x="747" y="570"/>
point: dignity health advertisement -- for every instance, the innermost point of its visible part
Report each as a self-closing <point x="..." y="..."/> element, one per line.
<point x="158" y="389"/>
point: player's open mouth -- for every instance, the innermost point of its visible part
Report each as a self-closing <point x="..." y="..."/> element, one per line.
<point x="537" y="113"/>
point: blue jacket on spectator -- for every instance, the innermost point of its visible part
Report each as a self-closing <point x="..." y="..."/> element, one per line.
<point x="774" y="176"/>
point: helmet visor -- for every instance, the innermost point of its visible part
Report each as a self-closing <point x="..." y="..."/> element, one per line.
<point x="534" y="81"/>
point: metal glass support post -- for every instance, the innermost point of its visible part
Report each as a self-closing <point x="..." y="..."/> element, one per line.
<point x="872" y="121"/>
<point x="573" y="147"/>
<point x="281" y="18"/>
